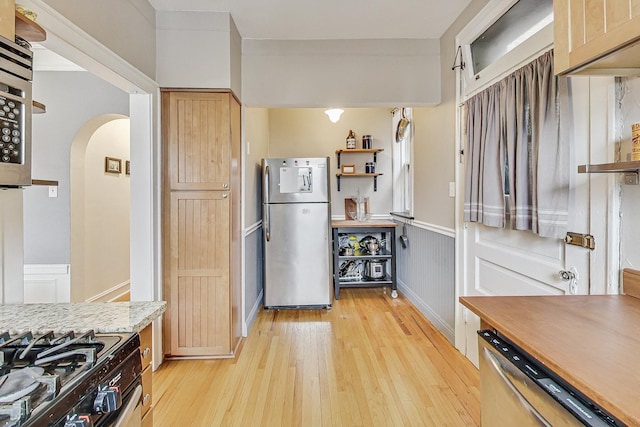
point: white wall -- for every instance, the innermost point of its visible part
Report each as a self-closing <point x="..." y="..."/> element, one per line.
<point x="197" y="50"/>
<point x="630" y="195"/>
<point x="256" y="139"/>
<point x="308" y="132"/>
<point x="340" y="73"/>
<point x="127" y="27"/>
<point x="72" y="98"/>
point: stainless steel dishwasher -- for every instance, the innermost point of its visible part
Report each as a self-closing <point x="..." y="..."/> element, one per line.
<point x="515" y="390"/>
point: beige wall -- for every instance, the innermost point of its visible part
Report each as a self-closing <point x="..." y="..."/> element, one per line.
<point x="127" y="27"/>
<point x="434" y="148"/>
<point x="106" y="201"/>
<point x="256" y="137"/>
<point x="100" y="210"/>
<point x="307" y="132"/>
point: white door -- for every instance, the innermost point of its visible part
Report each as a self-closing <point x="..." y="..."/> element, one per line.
<point x="495" y="261"/>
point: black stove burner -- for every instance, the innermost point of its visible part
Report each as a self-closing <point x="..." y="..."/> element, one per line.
<point x="44" y="378"/>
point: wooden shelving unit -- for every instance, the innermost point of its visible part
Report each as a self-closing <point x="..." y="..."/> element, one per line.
<point x="375" y="176"/>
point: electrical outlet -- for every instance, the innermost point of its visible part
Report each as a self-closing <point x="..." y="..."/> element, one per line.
<point x="452" y="189"/>
<point x="53" y="191"/>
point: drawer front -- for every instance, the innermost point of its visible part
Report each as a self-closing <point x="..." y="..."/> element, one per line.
<point x="147" y="419"/>
<point x="147" y="390"/>
<point x="146" y="346"/>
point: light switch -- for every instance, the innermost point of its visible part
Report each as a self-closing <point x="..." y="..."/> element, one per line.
<point x="248" y="148"/>
<point x="452" y="189"/>
<point x="53" y="191"/>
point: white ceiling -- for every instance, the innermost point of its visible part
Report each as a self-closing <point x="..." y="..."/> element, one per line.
<point x="330" y="19"/>
<point x="309" y="20"/>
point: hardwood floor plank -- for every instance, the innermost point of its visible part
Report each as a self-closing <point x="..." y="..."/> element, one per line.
<point x="369" y="361"/>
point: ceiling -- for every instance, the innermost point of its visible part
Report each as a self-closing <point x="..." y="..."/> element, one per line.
<point x="330" y="19"/>
<point x="309" y="20"/>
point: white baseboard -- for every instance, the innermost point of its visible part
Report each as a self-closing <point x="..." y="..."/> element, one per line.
<point x="112" y="293"/>
<point x="433" y="317"/>
<point x="47" y="283"/>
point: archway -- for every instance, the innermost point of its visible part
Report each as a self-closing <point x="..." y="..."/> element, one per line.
<point x="100" y="210"/>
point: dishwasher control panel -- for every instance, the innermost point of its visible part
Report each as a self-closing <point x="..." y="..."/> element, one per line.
<point x="585" y="410"/>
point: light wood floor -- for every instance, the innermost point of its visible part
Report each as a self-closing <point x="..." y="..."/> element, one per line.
<point x="370" y="361"/>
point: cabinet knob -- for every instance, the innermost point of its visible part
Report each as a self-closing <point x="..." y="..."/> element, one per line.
<point x="146" y="352"/>
<point x="225" y="195"/>
<point x="146" y="399"/>
<point x="225" y="185"/>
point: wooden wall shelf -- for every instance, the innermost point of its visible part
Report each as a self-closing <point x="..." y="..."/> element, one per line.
<point x="29" y="30"/>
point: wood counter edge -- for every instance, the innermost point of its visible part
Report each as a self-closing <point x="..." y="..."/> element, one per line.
<point x="488" y="322"/>
<point x="362" y="224"/>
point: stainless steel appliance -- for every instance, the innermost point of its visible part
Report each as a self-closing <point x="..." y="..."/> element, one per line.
<point x="296" y="212"/>
<point x="68" y="380"/>
<point x="515" y="390"/>
<point x="16" y="72"/>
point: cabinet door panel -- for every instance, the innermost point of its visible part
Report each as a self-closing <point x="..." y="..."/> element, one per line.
<point x="199" y="134"/>
<point x="617" y="13"/>
<point x="576" y="24"/>
<point x="199" y="279"/>
<point x="594" y="18"/>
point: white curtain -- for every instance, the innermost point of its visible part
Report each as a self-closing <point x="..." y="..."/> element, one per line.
<point x="518" y="152"/>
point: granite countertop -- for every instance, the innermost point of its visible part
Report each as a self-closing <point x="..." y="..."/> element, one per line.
<point x="591" y="341"/>
<point x="102" y="317"/>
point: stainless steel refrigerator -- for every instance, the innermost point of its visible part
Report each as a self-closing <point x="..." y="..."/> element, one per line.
<point x="296" y="230"/>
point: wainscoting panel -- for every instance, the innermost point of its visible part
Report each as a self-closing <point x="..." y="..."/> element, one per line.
<point x="252" y="274"/>
<point x="47" y="283"/>
<point x="426" y="275"/>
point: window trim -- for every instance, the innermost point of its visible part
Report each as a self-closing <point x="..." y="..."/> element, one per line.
<point x="526" y="51"/>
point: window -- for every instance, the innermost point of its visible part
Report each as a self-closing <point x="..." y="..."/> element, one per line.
<point x="489" y="41"/>
<point x="402" y="155"/>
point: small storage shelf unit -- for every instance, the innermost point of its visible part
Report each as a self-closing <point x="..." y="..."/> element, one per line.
<point x="630" y="169"/>
<point x="383" y="231"/>
<point x="375" y="176"/>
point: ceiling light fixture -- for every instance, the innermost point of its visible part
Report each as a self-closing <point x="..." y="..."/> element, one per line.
<point x="334" y="114"/>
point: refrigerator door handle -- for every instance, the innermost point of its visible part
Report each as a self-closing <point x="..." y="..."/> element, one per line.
<point x="266" y="225"/>
<point x="266" y="197"/>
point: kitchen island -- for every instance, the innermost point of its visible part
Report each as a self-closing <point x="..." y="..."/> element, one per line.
<point x="102" y="317"/>
<point x="590" y="341"/>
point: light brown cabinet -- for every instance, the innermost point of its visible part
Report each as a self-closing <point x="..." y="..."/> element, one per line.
<point x="201" y="223"/>
<point x="146" y="353"/>
<point x="597" y="37"/>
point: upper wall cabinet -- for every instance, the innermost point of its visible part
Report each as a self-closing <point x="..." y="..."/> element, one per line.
<point x="597" y="37"/>
<point x="199" y="158"/>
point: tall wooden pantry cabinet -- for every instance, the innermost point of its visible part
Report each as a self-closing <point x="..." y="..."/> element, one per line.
<point x="201" y="222"/>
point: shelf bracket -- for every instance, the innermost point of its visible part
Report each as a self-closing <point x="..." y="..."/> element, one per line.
<point x="338" y="156"/>
<point x="375" y="183"/>
<point x="375" y="157"/>
<point x="338" y="177"/>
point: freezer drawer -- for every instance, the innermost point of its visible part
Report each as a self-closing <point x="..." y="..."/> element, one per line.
<point x="297" y="255"/>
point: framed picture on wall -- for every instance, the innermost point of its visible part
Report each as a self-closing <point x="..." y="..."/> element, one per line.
<point x="112" y="165"/>
<point x="347" y="169"/>
<point x="127" y="167"/>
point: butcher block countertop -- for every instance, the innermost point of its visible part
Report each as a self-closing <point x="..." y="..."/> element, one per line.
<point x="102" y="317"/>
<point x="591" y="341"/>
<point x="372" y="223"/>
